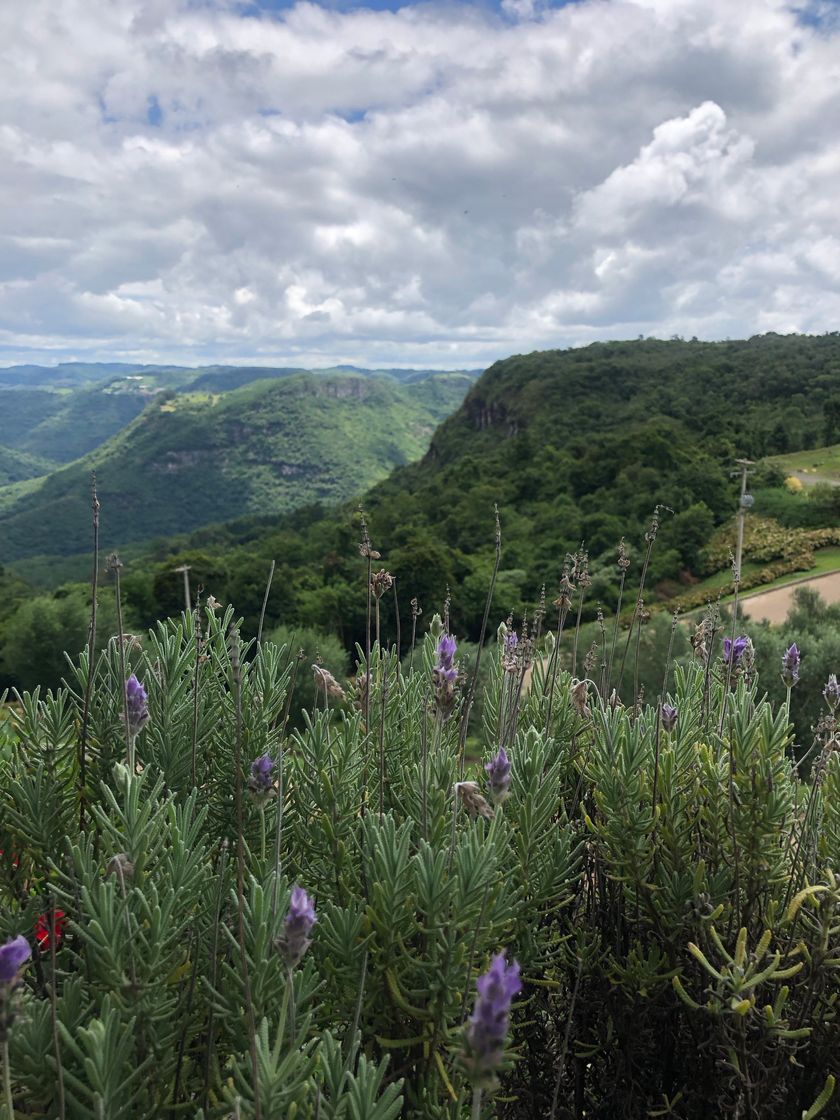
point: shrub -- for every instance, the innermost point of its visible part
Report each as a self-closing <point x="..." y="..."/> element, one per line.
<point x="670" y="895"/>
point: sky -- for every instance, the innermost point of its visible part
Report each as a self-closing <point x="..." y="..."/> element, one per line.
<point x="402" y="183"/>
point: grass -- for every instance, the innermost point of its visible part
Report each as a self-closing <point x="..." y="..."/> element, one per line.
<point x="822" y="461"/>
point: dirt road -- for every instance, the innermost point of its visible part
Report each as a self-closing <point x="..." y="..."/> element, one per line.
<point x="774" y="605"/>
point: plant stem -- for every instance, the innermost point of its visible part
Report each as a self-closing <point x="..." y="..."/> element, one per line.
<point x="467" y="708"/>
<point x="7" y="1080"/>
<point x="476" y="1105"/>
<point x="91" y="648"/>
<point x="236" y="673"/>
<point x="129" y="738"/>
<point x="265" y="604"/>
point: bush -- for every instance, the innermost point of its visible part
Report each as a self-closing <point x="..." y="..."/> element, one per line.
<point x="670" y="895"/>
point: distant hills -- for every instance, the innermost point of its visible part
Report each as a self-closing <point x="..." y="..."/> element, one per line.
<point x="576" y="447"/>
<point x="175" y="448"/>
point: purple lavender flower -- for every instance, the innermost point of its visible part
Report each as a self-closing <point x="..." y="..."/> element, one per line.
<point x="488" y="1025"/>
<point x="831" y="692"/>
<point x="261" y="783"/>
<point x="446" y="654"/>
<point x="297" y="926"/>
<point x="669" y="716"/>
<point x="790" y="665"/>
<point x="498" y="776"/>
<point x="445" y="674"/>
<point x="509" y="652"/>
<point x="733" y="651"/>
<point x="13" y="955"/>
<point x="136" y="705"/>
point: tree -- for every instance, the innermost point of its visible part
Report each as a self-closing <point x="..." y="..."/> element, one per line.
<point x="37" y="636"/>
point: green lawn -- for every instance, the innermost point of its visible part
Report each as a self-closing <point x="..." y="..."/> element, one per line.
<point x="822" y="461"/>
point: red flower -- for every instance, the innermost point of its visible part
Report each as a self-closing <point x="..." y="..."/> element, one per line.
<point x="14" y="859"/>
<point x="42" y="930"/>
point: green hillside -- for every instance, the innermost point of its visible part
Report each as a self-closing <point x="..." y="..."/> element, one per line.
<point x="61" y="425"/>
<point x="575" y="446"/>
<point x="195" y="458"/>
<point x="812" y="467"/>
<point x="18" y="465"/>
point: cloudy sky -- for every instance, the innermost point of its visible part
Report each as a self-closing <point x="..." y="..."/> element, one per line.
<point x="413" y="183"/>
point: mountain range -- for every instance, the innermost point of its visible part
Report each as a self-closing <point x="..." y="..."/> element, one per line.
<point x="176" y="448"/>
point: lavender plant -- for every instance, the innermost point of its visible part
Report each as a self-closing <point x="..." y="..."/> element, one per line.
<point x="664" y="878"/>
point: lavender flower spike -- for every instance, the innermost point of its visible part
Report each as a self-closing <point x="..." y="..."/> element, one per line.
<point x="136" y="705"/>
<point x="445" y="675"/>
<point x="446" y="653"/>
<point x="13" y="955"/>
<point x="790" y="665"/>
<point x="498" y="776"/>
<point x="261" y="783"/>
<point x="297" y="926"/>
<point x="488" y="1025"/>
<point x="669" y="716"/>
<point x="733" y="651"/>
<point x="831" y="692"/>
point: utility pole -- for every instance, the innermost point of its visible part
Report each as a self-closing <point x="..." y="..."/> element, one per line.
<point x="185" y="568"/>
<point x="744" y="504"/>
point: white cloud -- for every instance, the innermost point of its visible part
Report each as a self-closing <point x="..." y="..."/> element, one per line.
<point x="437" y="185"/>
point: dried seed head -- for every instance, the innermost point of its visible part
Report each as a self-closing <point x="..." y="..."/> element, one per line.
<point x="539" y="613"/>
<point x="326" y="682"/>
<point x="120" y="866"/>
<point x="473" y="800"/>
<point x="623" y="560"/>
<point x="579" y="695"/>
<point x="362" y="683"/>
<point x="584" y="579"/>
<point x="380" y="582"/>
<point x="699" y="639"/>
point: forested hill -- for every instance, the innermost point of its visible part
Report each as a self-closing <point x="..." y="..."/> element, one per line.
<point x="196" y="457"/>
<point x="766" y="395"/>
<point x="574" y="446"/>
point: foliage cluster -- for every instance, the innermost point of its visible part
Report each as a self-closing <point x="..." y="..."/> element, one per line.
<point x="666" y="880"/>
